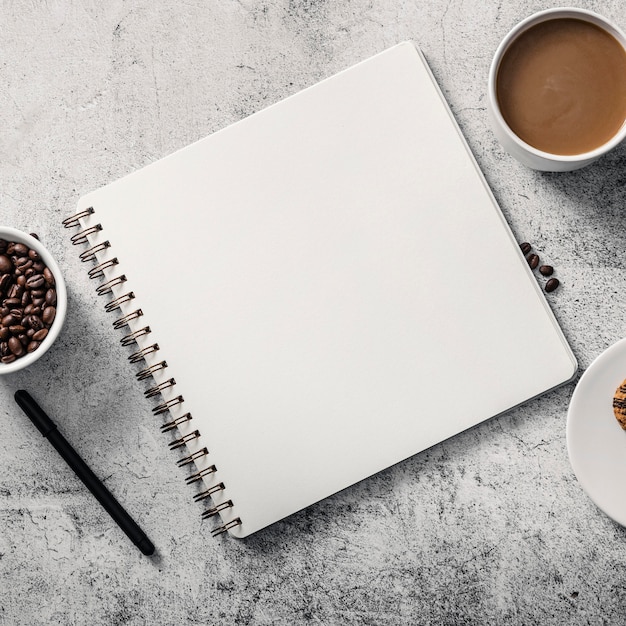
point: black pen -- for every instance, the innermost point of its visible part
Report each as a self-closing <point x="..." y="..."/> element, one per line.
<point x="49" y="430"/>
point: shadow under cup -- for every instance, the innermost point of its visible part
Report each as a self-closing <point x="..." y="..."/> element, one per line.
<point x="557" y="89"/>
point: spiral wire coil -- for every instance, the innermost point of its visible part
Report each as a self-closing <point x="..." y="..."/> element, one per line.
<point x="108" y="287"/>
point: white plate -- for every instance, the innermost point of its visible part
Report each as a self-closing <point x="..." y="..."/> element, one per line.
<point x="596" y="443"/>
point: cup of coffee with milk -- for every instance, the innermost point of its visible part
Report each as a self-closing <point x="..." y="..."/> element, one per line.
<point x="557" y="89"/>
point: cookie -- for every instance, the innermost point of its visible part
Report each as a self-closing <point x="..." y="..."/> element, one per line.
<point x="619" y="405"/>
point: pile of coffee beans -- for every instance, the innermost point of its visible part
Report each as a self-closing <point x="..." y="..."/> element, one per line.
<point x="27" y="300"/>
<point x="545" y="270"/>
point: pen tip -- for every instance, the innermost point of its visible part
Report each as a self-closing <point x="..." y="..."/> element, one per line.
<point x="146" y="546"/>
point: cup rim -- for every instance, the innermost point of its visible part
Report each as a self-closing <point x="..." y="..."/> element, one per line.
<point x="13" y="234"/>
<point x="516" y="31"/>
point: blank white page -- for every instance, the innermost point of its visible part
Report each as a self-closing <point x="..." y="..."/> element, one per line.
<point x="332" y="285"/>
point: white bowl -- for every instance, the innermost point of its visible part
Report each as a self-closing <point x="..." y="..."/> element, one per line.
<point x="12" y="234"/>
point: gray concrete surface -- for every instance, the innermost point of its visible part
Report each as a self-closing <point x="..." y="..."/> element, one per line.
<point x="488" y="528"/>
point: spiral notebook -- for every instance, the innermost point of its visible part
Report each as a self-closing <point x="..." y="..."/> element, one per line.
<point x="319" y="291"/>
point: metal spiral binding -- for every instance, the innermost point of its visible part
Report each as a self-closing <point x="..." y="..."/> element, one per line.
<point x="99" y="271"/>
<point x="157" y="389"/>
<point x="123" y="321"/>
<point x="192" y="457"/>
<point x="107" y="287"/>
<point x="117" y="302"/>
<point x="167" y="405"/>
<point x="216" y="509"/>
<point x="207" y="471"/>
<point x="70" y="222"/>
<point x="131" y="338"/>
<point x="225" y="527"/>
<point x="184" y="440"/>
<point x="90" y="253"/>
<point x="207" y="493"/>
<point x="140" y="355"/>
<point x="82" y="236"/>
<point x="165" y="428"/>
<point x="147" y="372"/>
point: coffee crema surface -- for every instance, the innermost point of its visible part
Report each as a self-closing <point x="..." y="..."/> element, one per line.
<point x="561" y="86"/>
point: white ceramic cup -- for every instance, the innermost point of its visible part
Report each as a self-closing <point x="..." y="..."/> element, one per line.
<point x="11" y="234"/>
<point x="522" y="151"/>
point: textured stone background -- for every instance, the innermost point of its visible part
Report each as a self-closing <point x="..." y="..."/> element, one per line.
<point x="490" y="527"/>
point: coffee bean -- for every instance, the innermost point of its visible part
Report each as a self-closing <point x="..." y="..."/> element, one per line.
<point x="51" y="296"/>
<point x="5" y="264"/>
<point x="34" y="236"/>
<point x="552" y="284"/>
<point x="5" y="282"/>
<point x="8" y="359"/>
<point x="40" y="335"/>
<point x="20" y="249"/>
<point x="47" y="274"/>
<point x="38" y="266"/>
<point x="21" y="280"/>
<point x="17" y="330"/>
<point x="32" y="346"/>
<point x="30" y="332"/>
<point x="16" y="347"/>
<point x="23" y="263"/>
<point x="33" y="254"/>
<point x="35" y="322"/>
<point x="8" y="320"/>
<point x="533" y="261"/>
<point x="546" y="270"/>
<point x="48" y="315"/>
<point x="5" y="333"/>
<point x="35" y="282"/>
<point x="525" y="247"/>
<point x="15" y="291"/>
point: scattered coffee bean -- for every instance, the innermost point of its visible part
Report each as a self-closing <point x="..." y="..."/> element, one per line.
<point x="544" y="270"/>
<point x="28" y="300"/>
<point x="552" y="284"/>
